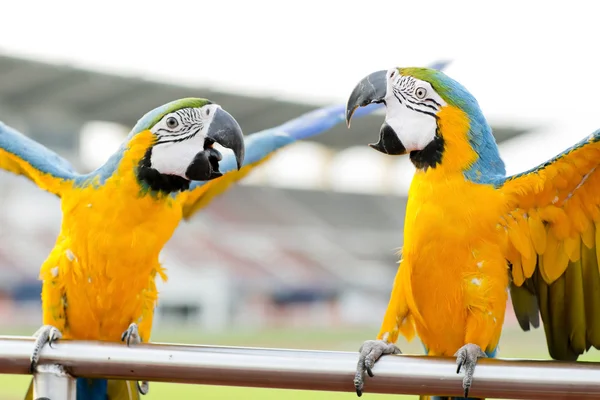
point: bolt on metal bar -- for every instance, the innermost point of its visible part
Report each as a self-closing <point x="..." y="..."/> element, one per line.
<point x="305" y="369"/>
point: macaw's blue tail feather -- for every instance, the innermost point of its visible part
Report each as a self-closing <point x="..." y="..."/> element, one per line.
<point x="101" y="389"/>
<point x="92" y="389"/>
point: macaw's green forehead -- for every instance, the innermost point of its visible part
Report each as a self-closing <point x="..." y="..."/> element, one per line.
<point x="450" y="90"/>
<point x="152" y="117"/>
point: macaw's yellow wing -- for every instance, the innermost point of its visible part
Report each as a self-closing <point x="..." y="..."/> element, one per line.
<point x="553" y="237"/>
<point x="24" y="156"/>
<point x="259" y="147"/>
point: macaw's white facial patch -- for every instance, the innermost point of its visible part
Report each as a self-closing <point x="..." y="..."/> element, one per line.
<point x="181" y="135"/>
<point x="411" y="108"/>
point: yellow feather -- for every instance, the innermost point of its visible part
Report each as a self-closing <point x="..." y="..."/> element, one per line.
<point x="572" y="248"/>
<point x="517" y="273"/>
<point x="517" y="235"/>
<point x="528" y="265"/>
<point x="568" y="172"/>
<point x="555" y="259"/>
<point x="587" y="236"/>
<point x="560" y="222"/>
<point x="576" y="213"/>
<point x="597" y="226"/>
<point x="595" y="213"/>
<point x="561" y="182"/>
<point x="582" y="164"/>
<point x="538" y="232"/>
<point x="512" y="255"/>
<point x="16" y="165"/>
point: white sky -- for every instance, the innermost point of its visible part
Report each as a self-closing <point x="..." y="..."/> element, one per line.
<point x="532" y="62"/>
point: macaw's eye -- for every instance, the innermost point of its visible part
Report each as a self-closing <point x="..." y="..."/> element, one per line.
<point x="421" y="93"/>
<point x="172" y="123"/>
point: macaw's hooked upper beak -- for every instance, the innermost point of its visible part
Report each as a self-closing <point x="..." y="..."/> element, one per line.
<point x="371" y="89"/>
<point x="224" y="130"/>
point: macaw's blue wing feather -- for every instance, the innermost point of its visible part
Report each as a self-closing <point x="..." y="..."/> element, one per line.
<point x="24" y="156"/>
<point x="553" y="233"/>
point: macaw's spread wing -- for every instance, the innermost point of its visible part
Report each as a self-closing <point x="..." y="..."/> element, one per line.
<point x="553" y="237"/>
<point x="259" y="147"/>
<point x="24" y="156"/>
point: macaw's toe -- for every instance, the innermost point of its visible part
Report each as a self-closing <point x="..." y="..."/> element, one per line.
<point x="132" y="336"/>
<point x="370" y="352"/>
<point x="46" y="334"/>
<point x="466" y="358"/>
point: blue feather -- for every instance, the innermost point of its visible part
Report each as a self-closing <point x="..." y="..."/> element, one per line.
<point x="259" y="145"/>
<point x="489" y="167"/>
<point x="92" y="389"/>
<point x="37" y="155"/>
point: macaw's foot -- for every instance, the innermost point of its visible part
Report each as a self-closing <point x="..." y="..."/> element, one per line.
<point x="46" y="334"/>
<point x="370" y="352"/>
<point x="132" y="336"/>
<point x="467" y="357"/>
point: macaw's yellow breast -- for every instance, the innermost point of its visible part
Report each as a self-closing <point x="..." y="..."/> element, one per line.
<point x="107" y="253"/>
<point x="452" y="251"/>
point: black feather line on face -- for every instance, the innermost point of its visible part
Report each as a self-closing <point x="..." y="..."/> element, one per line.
<point x="159" y="182"/>
<point x="191" y="123"/>
<point x="431" y="156"/>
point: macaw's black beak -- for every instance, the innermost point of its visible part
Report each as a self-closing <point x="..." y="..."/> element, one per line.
<point x="371" y="89"/>
<point x="388" y="142"/>
<point x="225" y="131"/>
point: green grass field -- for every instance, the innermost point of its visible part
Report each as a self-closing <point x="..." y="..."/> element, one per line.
<point x="515" y="344"/>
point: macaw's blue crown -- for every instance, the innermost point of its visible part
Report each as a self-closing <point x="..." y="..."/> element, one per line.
<point x="153" y="116"/>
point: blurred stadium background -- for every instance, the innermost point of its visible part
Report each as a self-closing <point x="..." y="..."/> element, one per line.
<point x="302" y="253"/>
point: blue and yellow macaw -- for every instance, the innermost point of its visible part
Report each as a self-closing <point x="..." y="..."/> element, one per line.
<point x="99" y="279"/>
<point x="472" y="234"/>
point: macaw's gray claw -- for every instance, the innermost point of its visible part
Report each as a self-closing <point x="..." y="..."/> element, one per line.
<point x="467" y="357"/>
<point x="46" y="334"/>
<point x="370" y="352"/>
<point x="143" y="387"/>
<point x="132" y="336"/>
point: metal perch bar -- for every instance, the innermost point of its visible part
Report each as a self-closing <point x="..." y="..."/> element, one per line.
<point x="305" y="370"/>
